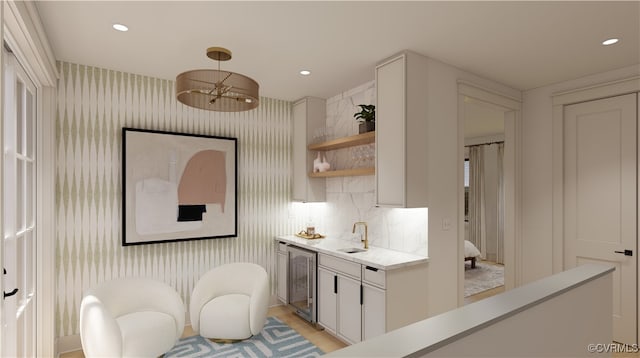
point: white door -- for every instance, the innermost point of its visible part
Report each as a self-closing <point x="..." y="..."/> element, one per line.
<point x="600" y="198"/>
<point x="19" y="198"/>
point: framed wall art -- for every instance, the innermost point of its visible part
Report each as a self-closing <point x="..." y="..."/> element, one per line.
<point x="177" y="186"/>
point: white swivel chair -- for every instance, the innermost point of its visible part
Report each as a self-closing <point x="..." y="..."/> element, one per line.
<point x="230" y="302"/>
<point x="130" y="318"/>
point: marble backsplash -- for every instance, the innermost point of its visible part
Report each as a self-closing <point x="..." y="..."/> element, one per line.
<point x="351" y="199"/>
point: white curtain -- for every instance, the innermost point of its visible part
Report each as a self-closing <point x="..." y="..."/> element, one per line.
<point x="500" y="231"/>
<point x="477" y="232"/>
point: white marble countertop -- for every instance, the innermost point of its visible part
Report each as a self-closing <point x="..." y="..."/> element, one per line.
<point x="384" y="259"/>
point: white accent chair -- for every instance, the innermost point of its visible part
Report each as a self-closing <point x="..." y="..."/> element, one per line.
<point x="131" y="317"/>
<point x="230" y="302"/>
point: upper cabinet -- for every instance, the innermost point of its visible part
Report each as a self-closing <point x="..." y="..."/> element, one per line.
<point x="401" y="131"/>
<point x="309" y="115"/>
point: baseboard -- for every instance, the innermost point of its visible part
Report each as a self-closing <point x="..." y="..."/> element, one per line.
<point x="274" y="301"/>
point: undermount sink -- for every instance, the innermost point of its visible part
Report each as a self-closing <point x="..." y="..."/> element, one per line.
<point x="351" y="250"/>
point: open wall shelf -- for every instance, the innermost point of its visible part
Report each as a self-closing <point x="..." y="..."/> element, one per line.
<point x="344" y="173"/>
<point x="345" y="142"/>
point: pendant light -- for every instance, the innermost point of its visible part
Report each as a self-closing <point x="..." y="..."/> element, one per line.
<point x="217" y="90"/>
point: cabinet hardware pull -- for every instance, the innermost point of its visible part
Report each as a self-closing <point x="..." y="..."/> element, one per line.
<point x="309" y="273"/>
<point x="335" y="284"/>
<point x="361" y="295"/>
<point x="371" y="268"/>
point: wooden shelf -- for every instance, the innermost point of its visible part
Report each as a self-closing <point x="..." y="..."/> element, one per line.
<point x="344" y="173"/>
<point x="345" y="142"/>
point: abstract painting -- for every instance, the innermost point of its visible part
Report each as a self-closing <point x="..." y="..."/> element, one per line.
<point x="177" y="186"/>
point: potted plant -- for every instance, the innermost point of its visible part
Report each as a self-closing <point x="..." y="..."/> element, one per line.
<point x="366" y="117"/>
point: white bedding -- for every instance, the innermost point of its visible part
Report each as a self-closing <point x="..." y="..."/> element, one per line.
<point x="470" y="250"/>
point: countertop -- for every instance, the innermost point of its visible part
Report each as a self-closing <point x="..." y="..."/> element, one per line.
<point x="380" y="258"/>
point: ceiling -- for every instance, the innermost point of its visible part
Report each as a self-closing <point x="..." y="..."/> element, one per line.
<point x="520" y="44"/>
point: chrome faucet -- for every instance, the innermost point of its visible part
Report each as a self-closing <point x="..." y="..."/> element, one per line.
<point x="366" y="233"/>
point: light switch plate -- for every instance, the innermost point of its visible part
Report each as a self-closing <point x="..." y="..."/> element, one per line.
<point x="446" y="224"/>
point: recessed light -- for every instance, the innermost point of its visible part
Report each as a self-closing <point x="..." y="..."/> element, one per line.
<point x="120" y="27"/>
<point x="610" y="42"/>
<point x="305" y="72"/>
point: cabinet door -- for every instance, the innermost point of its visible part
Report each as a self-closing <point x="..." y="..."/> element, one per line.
<point x="373" y="312"/>
<point x="327" y="299"/>
<point x="349" y="310"/>
<point x="309" y="115"/>
<point x="299" y="163"/>
<point x="283" y="275"/>
<point x="390" y="133"/>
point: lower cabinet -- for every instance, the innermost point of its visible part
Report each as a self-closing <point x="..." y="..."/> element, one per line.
<point x="328" y="299"/>
<point x="283" y="272"/>
<point x="373" y="311"/>
<point x="339" y="309"/>
<point x="357" y="302"/>
<point x="347" y="307"/>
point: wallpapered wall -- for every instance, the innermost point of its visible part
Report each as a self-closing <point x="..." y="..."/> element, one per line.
<point x="93" y="105"/>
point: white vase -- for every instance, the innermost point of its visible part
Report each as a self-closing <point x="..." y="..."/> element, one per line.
<point x="324" y="166"/>
<point x="317" y="164"/>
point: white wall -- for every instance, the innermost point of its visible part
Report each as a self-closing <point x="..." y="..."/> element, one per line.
<point x="537" y="213"/>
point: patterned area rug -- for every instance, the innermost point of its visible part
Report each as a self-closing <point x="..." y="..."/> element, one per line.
<point x="483" y="277"/>
<point x="276" y="340"/>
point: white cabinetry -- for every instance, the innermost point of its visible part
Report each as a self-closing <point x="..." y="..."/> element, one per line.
<point x="373" y="302"/>
<point x="309" y="114"/>
<point x="283" y="272"/>
<point x="339" y="297"/>
<point x="357" y="302"/>
<point x="349" y="309"/>
<point x="327" y="299"/>
<point x="401" y="131"/>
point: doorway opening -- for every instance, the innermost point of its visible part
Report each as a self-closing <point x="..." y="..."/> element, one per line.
<point x="484" y="137"/>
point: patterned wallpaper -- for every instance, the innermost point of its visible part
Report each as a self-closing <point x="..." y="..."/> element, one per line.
<point x="93" y="105"/>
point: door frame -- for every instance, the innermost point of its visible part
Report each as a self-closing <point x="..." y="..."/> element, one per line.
<point x="24" y="33"/>
<point x="559" y="100"/>
<point x="513" y="166"/>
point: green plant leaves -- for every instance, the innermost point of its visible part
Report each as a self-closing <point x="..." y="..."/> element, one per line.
<point x="367" y="113"/>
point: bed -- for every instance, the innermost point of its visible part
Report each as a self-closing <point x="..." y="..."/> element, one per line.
<point x="471" y="253"/>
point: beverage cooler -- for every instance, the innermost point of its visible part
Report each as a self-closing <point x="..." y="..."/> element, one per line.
<point x="302" y="282"/>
